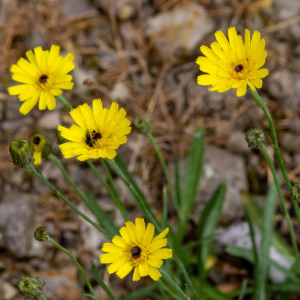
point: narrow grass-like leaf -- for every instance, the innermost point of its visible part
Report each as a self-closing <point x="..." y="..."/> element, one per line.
<point x="102" y="217"/>
<point x="260" y="276"/>
<point x="178" y="182"/>
<point x="207" y="224"/>
<point x="164" y="221"/>
<point x="191" y="179"/>
<point x="143" y="292"/>
<point x="243" y="290"/>
<point x="247" y="254"/>
<point x="213" y="293"/>
<point x="99" y="279"/>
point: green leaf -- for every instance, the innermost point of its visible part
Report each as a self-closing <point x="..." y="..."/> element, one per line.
<point x="191" y="179"/>
<point x="213" y="293"/>
<point x="207" y="224"/>
<point x="99" y="279"/>
<point x="102" y="217"/>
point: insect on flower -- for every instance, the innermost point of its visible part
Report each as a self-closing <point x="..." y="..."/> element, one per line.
<point x="89" y="140"/>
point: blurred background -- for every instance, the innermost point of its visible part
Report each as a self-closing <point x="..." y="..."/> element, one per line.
<point x="142" y="53"/>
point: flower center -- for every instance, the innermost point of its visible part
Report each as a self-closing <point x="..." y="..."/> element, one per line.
<point x="135" y="252"/>
<point x="96" y="135"/>
<point x="239" y="68"/>
<point x="36" y="140"/>
<point x="43" y="78"/>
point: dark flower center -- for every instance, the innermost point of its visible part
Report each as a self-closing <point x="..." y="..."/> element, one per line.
<point x="43" y="79"/>
<point x="96" y="135"/>
<point x="36" y="140"/>
<point x="239" y="68"/>
<point x="136" y="252"/>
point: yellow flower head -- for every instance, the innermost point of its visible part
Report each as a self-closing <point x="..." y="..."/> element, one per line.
<point x="40" y="148"/>
<point x="232" y="63"/>
<point x="98" y="133"/>
<point x="136" y="249"/>
<point x="43" y="77"/>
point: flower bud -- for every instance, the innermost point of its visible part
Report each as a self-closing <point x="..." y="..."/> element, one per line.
<point x="41" y="234"/>
<point x="31" y="287"/>
<point x="255" y="138"/>
<point x="295" y="192"/>
<point x="41" y="148"/>
<point x="142" y="124"/>
<point x="21" y="152"/>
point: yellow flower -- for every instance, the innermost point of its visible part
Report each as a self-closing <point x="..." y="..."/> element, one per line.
<point x="232" y="64"/>
<point x="136" y="248"/>
<point x="40" y="148"/>
<point x="43" y="77"/>
<point x="98" y="133"/>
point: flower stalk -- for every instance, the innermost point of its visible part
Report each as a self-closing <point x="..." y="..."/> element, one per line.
<point x="31" y="169"/>
<point x="264" y="107"/>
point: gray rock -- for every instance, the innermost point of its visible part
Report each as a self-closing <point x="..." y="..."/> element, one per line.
<point x="222" y="166"/>
<point x="17" y="215"/>
<point x="179" y="30"/>
<point x="237" y="142"/>
<point x="238" y="235"/>
<point x="7" y="291"/>
<point x="49" y="120"/>
<point x="280" y="84"/>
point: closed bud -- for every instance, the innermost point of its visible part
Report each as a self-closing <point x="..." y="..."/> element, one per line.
<point x="21" y="152"/>
<point x="142" y="124"/>
<point x="255" y="138"/>
<point x="31" y="287"/>
<point x="41" y="234"/>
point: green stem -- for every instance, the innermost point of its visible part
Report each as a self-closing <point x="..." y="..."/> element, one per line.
<point x="164" y="168"/>
<point x="56" y="160"/>
<point x="64" y="102"/>
<point x="31" y="169"/>
<point x="116" y="197"/>
<point x="149" y="215"/>
<point x="42" y="297"/>
<point x="112" y="163"/>
<point x="264" y="107"/>
<point x="173" y="284"/>
<point x="264" y="152"/>
<point x="69" y="253"/>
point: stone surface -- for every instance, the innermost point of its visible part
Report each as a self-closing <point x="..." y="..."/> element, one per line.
<point x="180" y="30"/>
<point x="238" y="235"/>
<point x="49" y="120"/>
<point x="7" y="291"/>
<point x="222" y="166"/>
<point x="17" y="214"/>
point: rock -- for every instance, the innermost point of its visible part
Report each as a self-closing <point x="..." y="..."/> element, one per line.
<point x="222" y="166"/>
<point x="61" y="284"/>
<point x="17" y="216"/>
<point x="238" y="235"/>
<point x="179" y="30"/>
<point x="280" y="84"/>
<point x="120" y="91"/>
<point x="49" y="120"/>
<point x="7" y="291"/>
<point x="237" y="142"/>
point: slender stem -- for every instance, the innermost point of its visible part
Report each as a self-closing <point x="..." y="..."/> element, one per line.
<point x="69" y="253"/>
<point x="56" y="160"/>
<point x="31" y="169"/>
<point x="264" y="107"/>
<point x="64" y="102"/>
<point x="264" y="152"/>
<point x="148" y="213"/>
<point x="173" y="284"/>
<point x="116" y="197"/>
<point x="164" y="168"/>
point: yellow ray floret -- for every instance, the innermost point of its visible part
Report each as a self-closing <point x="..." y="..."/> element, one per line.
<point x="43" y="76"/>
<point x="233" y="64"/>
<point x="98" y="133"/>
<point x="136" y="249"/>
